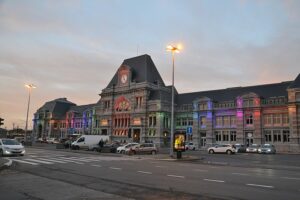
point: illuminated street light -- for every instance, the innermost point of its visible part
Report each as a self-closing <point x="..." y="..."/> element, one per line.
<point x="173" y="49"/>
<point x="30" y="87"/>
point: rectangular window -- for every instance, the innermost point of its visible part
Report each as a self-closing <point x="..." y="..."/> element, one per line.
<point x="202" y="121"/>
<point x="249" y="119"/>
<point x="154" y="121"/>
<point x="203" y="106"/>
<point x="232" y="121"/>
<point x="138" y="102"/>
<point x="277" y="119"/>
<point x="286" y="135"/>
<point x="268" y="136"/>
<point x="190" y="121"/>
<point x="106" y="104"/>
<point x="276" y="135"/>
<point x="233" y="136"/>
<point x="219" y="121"/>
<point x="178" y="122"/>
<point x="150" y="121"/>
<point x="226" y="120"/>
<point x="218" y="136"/>
<point x="268" y="119"/>
<point x="285" y="119"/>
<point x="184" y="121"/>
<point x="225" y="135"/>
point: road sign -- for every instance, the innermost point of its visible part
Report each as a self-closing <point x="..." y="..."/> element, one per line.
<point x="189" y="130"/>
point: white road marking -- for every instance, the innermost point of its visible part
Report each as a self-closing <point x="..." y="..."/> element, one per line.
<point x="161" y="166"/>
<point x="264" y="186"/>
<point x="52" y="160"/>
<point x="200" y="170"/>
<point x="212" y="180"/>
<point x="240" y="174"/>
<point x="175" y="176"/>
<point x="22" y="161"/>
<point x="64" y="160"/>
<point x="116" y="168"/>
<point x="75" y="159"/>
<point x="39" y="161"/>
<point x="33" y="156"/>
<point x="96" y="165"/>
<point x="291" y="178"/>
<point x="143" y="172"/>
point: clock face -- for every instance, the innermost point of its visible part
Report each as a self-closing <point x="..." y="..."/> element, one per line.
<point x="124" y="78"/>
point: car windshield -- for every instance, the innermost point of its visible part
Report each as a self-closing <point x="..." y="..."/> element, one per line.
<point x="254" y="145"/>
<point x="10" y="142"/>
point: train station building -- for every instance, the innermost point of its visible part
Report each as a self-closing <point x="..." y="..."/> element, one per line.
<point x="135" y="106"/>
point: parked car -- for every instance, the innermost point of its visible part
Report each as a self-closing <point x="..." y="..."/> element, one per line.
<point x="222" y="148"/>
<point x="108" y="148"/>
<point x="240" y="148"/>
<point x="267" y="148"/>
<point x="146" y="148"/>
<point x="190" y="146"/>
<point x="52" y="141"/>
<point x="253" y="148"/>
<point x="11" y="147"/>
<point x="122" y="149"/>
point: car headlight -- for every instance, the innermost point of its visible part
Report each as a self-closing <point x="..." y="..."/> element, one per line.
<point x="259" y="150"/>
<point x="269" y="150"/>
<point x="254" y="149"/>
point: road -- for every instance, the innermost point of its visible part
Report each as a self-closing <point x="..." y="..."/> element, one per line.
<point x="50" y="174"/>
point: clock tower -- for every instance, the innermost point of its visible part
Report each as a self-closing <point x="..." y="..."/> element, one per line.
<point x="124" y="75"/>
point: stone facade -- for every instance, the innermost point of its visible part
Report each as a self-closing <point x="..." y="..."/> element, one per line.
<point x="136" y="106"/>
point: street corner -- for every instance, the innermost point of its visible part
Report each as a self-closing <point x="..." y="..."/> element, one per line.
<point x="5" y="163"/>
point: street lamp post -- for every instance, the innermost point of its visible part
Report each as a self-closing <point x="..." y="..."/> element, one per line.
<point x="30" y="87"/>
<point x="174" y="50"/>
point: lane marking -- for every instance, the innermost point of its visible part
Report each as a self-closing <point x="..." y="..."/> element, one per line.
<point x="256" y="185"/>
<point x="291" y="178"/>
<point x="74" y="159"/>
<point x="64" y="160"/>
<point x="175" y="176"/>
<point x="161" y="166"/>
<point x="51" y="160"/>
<point x="143" y="172"/>
<point x="212" y="180"/>
<point x="200" y="170"/>
<point x="22" y="161"/>
<point x="96" y="165"/>
<point x="240" y="174"/>
<point x="115" y="168"/>
<point x="39" y="161"/>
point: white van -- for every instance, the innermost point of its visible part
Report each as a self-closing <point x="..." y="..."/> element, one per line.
<point x="89" y="140"/>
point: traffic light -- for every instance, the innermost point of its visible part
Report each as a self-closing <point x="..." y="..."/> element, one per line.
<point x="1" y="121"/>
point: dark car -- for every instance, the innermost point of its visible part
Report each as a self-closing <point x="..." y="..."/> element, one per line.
<point x="106" y="148"/>
<point x="267" y="148"/>
<point x="240" y="148"/>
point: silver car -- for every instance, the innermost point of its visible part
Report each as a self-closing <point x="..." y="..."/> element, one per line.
<point x="253" y="148"/>
<point x="11" y="147"/>
<point x="267" y="148"/>
<point x="222" y="148"/>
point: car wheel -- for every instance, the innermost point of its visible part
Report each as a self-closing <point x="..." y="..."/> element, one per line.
<point x="153" y="152"/>
<point x="211" y="151"/>
<point x="133" y="152"/>
<point x="122" y="152"/>
<point x="1" y="152"/>
<point x="95" y="149"/>
<point x="194" y="148"/>
<point x="229" y="152"/>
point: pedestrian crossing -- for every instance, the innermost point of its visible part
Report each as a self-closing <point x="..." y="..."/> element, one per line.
<point x="36" y="159"/>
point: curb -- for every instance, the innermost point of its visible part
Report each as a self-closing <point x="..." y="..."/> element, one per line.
<point x="6" y="165"/>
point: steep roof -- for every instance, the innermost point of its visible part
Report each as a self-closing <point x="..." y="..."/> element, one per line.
<point x="81" y="108"/>
<point x="143" y="70"/>
<point x="229" y="94"/>
<point x="296" y="83"/>
<point x="58" y="107"/>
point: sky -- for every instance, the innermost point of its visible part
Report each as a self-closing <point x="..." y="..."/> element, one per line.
<point x="72" y="48"/>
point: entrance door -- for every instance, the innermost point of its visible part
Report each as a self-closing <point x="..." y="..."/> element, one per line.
<point x="202" y="139"/>
<point x="249" y="138"/>
<point x="136" y="135"/>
